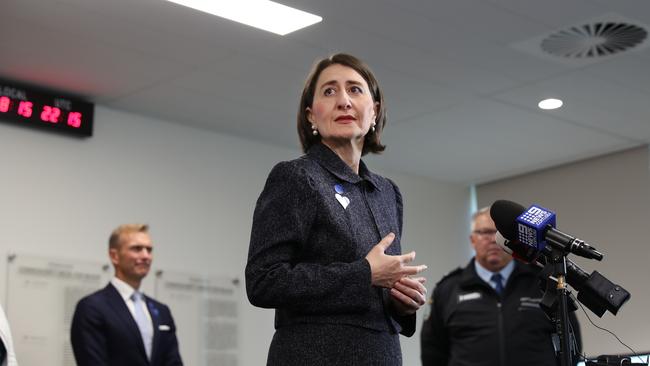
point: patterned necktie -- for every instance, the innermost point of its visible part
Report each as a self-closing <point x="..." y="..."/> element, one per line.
<point x="144" y="325"/>
<point x="498" y="281"/>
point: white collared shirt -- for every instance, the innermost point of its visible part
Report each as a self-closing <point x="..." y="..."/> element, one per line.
<point x="126" y="291"/>
<point x="486" y="274"/>
<point x="5" y="336"/>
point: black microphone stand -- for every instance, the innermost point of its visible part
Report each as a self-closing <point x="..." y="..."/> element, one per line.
<point x="562" y="311"/>
<point x="556" y="300"/>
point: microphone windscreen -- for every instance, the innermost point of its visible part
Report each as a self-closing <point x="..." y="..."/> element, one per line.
<point x="504" y="213"/>
<point x="501" y="242"/>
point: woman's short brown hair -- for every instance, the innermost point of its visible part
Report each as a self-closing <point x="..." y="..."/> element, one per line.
<point x="372" y="140"/>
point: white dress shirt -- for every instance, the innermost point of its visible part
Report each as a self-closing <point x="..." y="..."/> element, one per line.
<point x="485" y="274"/>
<point x="5" y="336"/>
<point x="126" y="291"/>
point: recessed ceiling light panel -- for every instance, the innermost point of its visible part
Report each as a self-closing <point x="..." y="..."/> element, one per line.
<point x="263" y="14"/>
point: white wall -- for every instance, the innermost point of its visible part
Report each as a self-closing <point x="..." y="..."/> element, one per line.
<point x="436" y="226"/>
<point x="62" y="196"/>
<point x="605" y="202"/>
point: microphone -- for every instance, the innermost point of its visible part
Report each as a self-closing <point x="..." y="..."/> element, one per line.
<point x="517" y="250"/>
<point x="594" y="290"/>
<point x="576" y="277"/>
<point x="535" y="227"/>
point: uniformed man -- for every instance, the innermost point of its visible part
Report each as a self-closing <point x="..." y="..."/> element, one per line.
<point x="488" y="314"/>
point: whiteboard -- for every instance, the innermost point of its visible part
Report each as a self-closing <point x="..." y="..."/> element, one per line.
<point x="206" y="312"/>
<point x="42" y="294"/>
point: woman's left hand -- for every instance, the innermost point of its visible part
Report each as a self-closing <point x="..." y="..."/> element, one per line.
<point x="408" y="294"/>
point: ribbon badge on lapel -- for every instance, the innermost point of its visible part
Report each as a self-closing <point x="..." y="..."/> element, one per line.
<point x="344" y="201"/>
<point x="153" y="310"/>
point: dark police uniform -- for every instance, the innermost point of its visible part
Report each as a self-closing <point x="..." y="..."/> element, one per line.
<point x="471" y="325"/>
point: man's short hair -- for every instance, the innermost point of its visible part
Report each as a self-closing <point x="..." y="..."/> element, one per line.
<point x="482" y="211"/>
<point x="116" y="235"/>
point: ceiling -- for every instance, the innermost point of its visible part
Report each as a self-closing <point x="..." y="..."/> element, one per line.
<point x="461" y="87"/>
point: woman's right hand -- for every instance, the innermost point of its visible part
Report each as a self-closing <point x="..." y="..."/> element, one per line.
<point x="388" y="269"/>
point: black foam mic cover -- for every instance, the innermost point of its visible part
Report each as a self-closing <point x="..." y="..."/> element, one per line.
<point x="504" y="213"/>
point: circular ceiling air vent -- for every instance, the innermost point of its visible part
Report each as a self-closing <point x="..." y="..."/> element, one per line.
<point x="594" y="40"/>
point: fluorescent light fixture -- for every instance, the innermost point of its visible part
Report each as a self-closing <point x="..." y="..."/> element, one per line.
<point x="263" y="14"/>
<point x="550" y="103"/>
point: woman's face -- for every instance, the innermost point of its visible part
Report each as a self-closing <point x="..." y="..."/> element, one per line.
<point x="343" y="109"/>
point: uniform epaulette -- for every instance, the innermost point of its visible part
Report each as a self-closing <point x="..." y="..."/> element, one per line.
<point x="450" y="274"/>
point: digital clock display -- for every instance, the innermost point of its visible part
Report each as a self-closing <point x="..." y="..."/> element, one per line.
<point x="30" y="107"/>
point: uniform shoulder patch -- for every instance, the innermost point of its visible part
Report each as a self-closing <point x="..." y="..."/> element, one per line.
<point x="450" y="274"/>
<point x="431" y="300"/>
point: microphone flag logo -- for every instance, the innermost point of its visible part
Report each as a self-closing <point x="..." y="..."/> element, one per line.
<point x="532" y="224"/>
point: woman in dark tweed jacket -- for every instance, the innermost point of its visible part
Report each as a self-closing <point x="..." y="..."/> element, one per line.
<point x="325" y="243"/>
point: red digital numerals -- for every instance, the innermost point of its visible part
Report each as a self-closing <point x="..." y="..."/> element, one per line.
<point x="5" y="103"/>
<point x="25" y="108"/>
<point x="48" y="114"/>
<point x="74" y="119"/>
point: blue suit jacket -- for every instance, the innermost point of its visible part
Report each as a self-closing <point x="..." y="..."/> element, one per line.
<point x="104" y="333"/>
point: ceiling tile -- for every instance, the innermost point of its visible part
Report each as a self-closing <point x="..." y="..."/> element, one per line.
<point x="490" y="140"/>
<point x="590" y="102"/>
<point x="224" y="115"/>
<point x="94" y="70"/>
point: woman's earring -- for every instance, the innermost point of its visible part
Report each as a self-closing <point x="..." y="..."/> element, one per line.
<point x="372" y="126"/>
<point x="314" y="131"/>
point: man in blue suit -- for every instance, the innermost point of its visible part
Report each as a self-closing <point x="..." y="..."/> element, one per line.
<point x="118" y="325"/>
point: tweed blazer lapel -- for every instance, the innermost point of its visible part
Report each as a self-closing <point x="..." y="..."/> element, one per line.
<point x="379" y="208"/>
<point x="380" y="203"/>
<point x="332" y="163"/>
